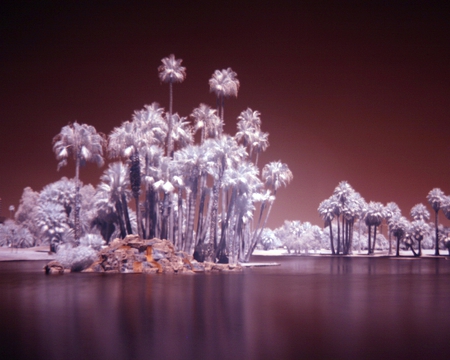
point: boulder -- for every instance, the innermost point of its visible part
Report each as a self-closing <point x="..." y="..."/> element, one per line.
<point x="54" y="267"/>
<point x="141" y="256"/>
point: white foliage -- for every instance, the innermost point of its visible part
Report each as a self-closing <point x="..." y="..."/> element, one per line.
<point x="76" y="258"/>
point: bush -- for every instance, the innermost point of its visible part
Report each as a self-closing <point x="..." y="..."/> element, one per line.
<point x="76" y="258"/>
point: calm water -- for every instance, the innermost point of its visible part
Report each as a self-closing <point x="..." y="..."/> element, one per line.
<point x="309" y="307"/>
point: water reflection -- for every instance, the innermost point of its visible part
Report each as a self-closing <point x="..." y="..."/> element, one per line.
<point x="310" y="307"/>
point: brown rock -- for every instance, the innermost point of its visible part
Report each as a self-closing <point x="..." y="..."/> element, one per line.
<point x="54" y="268"/>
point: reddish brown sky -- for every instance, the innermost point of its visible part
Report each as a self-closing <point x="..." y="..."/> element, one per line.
<point x="347" y="92"/>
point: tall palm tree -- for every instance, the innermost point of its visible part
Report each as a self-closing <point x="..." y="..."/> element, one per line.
<point x="418" y="230"/>
<point x="224" y="83"/>
<point x="222" y="153"/>
<point x="435" y="198"/>
<point x="390" y="210"/>
<point x="374" y="217"/>
<point x="132" y="140"/>
<point x="274" y="175"/>
<point x="192" y="162"/>
<point x="171" y="72"/>
<point x="84" y="144"/>
<point x="353" y="209"/>
<point x="113" y="192"/>
<point x="341" y="194"/>
<point x="398" y="225"/>
<point x="124" y="141"/>
<point x="241" y="180"/>
<point x="326" y="212"/>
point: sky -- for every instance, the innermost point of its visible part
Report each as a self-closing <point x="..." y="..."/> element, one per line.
<point x="349" y="90"/>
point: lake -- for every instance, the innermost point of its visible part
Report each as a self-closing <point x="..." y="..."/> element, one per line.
<point x="316" y="307"/>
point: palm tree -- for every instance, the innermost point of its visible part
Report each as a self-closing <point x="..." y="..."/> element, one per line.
<point x="260" y="144"/>
<point x="192" y="162"/>
<point x="390" y="210"/>
<point x="153" y="156"/>
<point x="249" y="133"/>
<point x="115" y="193"/>
<point x="418" y="230"/>
<point x="206" y="119"/>
<point x="224" y="84"/>
<point x="420" y="212"/>
<point x="373" y="217"/>
<point x="341" y="194"/>
<point x="398" y="225"/>
<point x="353" y="209"/>
<point x="51" y="219"/>
<point x="435" y="198"/>
<point x="274" y="175"/>
<point x="182" y="133"/>
<point x="222" y="153"/>
<point x="249" y="122"/>
<point x="241" y="180"/>
<point x="84" y="144"/>
<point x="171" y="72"/>
<point x="326" y="212"/>
<point x="124" y="141"/>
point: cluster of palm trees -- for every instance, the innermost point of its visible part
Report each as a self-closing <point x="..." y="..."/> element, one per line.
<point x="201" y="196"/>
<point x="345" y="206"/>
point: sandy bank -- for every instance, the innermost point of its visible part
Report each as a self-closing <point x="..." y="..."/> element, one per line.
<point x="33" y="253"/>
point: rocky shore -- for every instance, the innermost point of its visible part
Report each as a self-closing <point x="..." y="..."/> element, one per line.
<point x="135" y="255"/>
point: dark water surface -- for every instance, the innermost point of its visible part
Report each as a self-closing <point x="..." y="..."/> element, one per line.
<point x="307" y="308"/>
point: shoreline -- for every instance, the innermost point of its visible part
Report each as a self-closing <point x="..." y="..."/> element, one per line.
<point x="26" y="254"/>
<point x="42" y="253"/>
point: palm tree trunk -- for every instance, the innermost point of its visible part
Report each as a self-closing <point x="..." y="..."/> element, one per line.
<point x="214" y="214"/>
<point x="169" y="131"/>
<point x="359" y="237"/>
<point x="257" y="158"/>
<point x="350" y="242"/>
<point x="171" y="215"/>
<point x="135" y="182"/>
<point x="77" y="200"/>
<point x="339" y="235"/>
<point x="199" y="241"/>
<point x="412" y="249"/>
<point x="221" y="250"/>
<point x="390" y="242"/>
<point x="436" y="251"/>
<point x="369" y="244"/>
<point x="125" y="212"/>
<point x="120" y="216"/>
<point x="222" y="106"/>
<point x="374" y="239"/>
<point x="398" y="246"/>
<point x="191" y="218"/>
<point x="263" y="205"/>
<point x="331" y="238"/>
<point x="255" y="241"/>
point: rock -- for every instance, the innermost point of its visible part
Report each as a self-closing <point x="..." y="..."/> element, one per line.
<point x="54" y="267"/>
<point x="197" y="267"/>
<point x="135" y="255"/>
